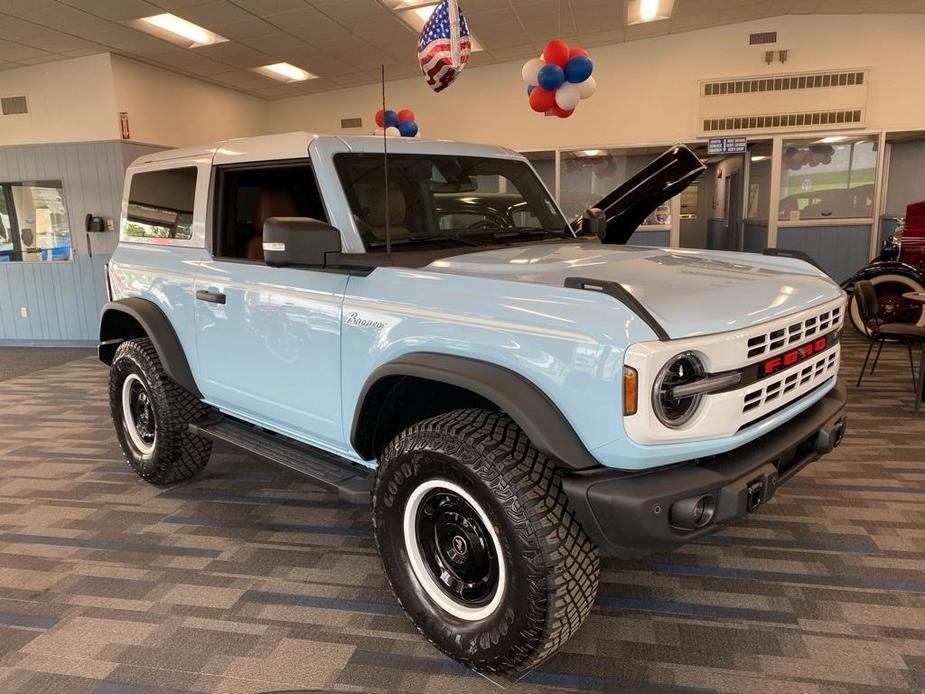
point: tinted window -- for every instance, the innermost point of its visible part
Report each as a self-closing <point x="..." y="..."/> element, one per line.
<point x="446" y="199"/>
<point x="250" y="196"/>
<point x="160" y="204"/>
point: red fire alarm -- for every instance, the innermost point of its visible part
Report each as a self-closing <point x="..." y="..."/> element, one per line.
<point x="123" y="125"/>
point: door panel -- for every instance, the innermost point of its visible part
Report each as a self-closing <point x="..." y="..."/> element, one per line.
<point x="269" y="346"/>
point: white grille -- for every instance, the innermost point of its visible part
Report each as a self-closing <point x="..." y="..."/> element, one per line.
<point x="794" y="333"/>
<point x="791" y="384"/>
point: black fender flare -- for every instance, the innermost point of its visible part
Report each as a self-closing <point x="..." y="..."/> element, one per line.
<point x="881" y="267"/>
<point x="525" y="403"/>
<point x="156" y="326"/>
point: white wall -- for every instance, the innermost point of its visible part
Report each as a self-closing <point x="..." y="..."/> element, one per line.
<point x="69" y="101"/>
<point x="647" y="90"/>
<point x="169" y="109"/>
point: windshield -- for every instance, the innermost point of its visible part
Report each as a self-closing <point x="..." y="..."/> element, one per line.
<point x="447" y="199"/>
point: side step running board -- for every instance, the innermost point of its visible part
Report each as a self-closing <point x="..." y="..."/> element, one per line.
<point x="352" y="482"/>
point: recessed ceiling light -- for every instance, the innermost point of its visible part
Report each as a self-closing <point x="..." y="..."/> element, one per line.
<point x="415" y="14"/>
<point x="172" y="28"/>
<point x="640" y="11"/>
<point x="591" y="153"/>
<point x="285" y="72"/>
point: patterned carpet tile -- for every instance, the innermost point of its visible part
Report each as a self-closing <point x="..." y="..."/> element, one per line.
<point x="251" y="579"/>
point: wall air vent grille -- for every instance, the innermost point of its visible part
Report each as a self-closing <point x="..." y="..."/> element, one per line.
<point x="762" y="38"/>
<point x="782" y="83"/>
<point x="13" y="105"/>
<point x="351" y="123"/>
<point x="784" y="120"/>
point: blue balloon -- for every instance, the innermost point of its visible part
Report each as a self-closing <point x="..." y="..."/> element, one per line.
<point x="408" y="128"/>
<point x="578" y="69"/>
<point x="391" y="119"/>
<point x="550" y="77"/>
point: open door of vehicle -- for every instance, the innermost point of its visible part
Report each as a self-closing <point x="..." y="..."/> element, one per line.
<point x="628" y="205"/>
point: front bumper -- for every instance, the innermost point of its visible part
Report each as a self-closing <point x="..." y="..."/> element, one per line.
<point x="631" y="514"/>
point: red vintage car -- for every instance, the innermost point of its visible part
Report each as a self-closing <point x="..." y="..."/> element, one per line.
<point x="899" y="269"/>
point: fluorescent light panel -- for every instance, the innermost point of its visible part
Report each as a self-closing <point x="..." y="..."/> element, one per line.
<point x="284" y="72"/>
<point x="641" y="11"/>
<point x="415" y="14"/>
<point x="178" y="30"/>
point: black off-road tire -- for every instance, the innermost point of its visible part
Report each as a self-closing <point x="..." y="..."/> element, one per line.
<point x="177" y="455"/>
<point x="552" y="566"/>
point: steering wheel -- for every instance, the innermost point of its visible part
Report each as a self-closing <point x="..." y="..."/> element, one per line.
<point x="483" y="224"/>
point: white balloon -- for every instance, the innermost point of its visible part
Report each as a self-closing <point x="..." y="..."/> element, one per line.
<point x="392" y="131"/>
<point x="531" y="70"/>
<point x="587" y="88"/>
<point x="568" y="96"/>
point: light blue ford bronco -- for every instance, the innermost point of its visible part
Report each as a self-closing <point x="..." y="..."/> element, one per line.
<point x="417" y="323"/>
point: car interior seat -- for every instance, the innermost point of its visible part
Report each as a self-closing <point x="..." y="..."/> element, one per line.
<point x="269" y="203"/>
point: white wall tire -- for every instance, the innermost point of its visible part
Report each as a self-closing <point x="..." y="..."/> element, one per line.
<point x="896" y="284"/>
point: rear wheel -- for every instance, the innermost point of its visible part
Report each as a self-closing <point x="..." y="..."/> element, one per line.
<point x="151" y="414"/>
<point x="894" y="308"/>
<point x="478" y="541"/>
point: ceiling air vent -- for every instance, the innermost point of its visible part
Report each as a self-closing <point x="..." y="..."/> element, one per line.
<point x="784" y="120"/>
<point x="13" y="105"/>
<point x="351" y="123"/>
<point x="762" y="38"/>
<point x="781" y="83"/>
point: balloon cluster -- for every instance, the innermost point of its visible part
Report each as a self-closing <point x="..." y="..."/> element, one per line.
<point x="397" y="122"/>
<point x="560" y="79"/>
<point x="796" y="158"/>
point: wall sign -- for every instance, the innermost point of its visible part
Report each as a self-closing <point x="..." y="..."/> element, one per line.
<point x="123" y="125"/>
<point x="727" y="145"/>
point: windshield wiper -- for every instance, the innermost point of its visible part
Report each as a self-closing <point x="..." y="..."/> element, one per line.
<point x="529" y="231"/>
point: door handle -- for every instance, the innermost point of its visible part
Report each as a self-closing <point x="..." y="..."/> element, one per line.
<point x="211" y="297"/>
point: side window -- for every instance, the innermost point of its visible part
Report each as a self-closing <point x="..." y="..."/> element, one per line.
<point x="247" y="197"/>
<point x="160" y="204"/>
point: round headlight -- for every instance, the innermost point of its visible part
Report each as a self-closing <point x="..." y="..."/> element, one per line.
<point x="673" y="411"/>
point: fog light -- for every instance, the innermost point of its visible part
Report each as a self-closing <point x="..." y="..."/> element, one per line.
<point x="693" y="513"/>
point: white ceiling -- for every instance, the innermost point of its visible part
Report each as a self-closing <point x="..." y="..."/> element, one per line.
<point x="345" y="41"/>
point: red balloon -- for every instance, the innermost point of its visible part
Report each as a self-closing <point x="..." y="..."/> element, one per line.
<point x="542" y="100"/>
<point x="556" y="52"/>
<point x="380" y="118"/>
<point x="405" y="114"/>
<point x="578" y="51"/>
<point x="561" y="112"/>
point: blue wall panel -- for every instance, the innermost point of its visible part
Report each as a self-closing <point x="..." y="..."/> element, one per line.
<point x="840" y="250"/>
<point x="717" y="235"/>
<point x="63" y="298"/>
<point x="756" y="238"/>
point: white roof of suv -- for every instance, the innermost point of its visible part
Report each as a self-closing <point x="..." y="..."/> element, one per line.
<point x="295" y="144"/>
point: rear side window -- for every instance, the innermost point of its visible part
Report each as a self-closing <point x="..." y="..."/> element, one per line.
<point x="160" y="204"/>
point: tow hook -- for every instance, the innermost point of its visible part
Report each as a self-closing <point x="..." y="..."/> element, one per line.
<point x="826" y="441"/>
<point x="754" y="495"/>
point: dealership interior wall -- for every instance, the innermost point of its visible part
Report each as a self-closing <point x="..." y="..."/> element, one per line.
<point x="649" y="97"/>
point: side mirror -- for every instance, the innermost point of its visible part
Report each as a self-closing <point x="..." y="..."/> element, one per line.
<point x="594" y="223"/>
<point x="298" y="241"/>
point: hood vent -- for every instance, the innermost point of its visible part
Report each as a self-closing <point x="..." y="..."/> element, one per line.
<point x="13" y="105"/>
<point x="762" y="38"/>
<point x="781" y="83"/>
<point x="789" y="121"/>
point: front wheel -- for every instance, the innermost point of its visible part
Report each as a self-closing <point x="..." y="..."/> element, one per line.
<point x="478" y="542"/>
<point x="894" y="308"/>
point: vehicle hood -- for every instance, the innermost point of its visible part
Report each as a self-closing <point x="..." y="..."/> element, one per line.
<point x="689" y="292"/>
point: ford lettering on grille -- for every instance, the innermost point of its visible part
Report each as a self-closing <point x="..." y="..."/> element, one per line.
<point x="794" y="356"/>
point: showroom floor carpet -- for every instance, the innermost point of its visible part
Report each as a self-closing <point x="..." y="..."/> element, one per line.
<point x="249" y="579"/>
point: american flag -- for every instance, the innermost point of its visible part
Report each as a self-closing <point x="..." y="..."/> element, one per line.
<point x="443" y="50"/>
